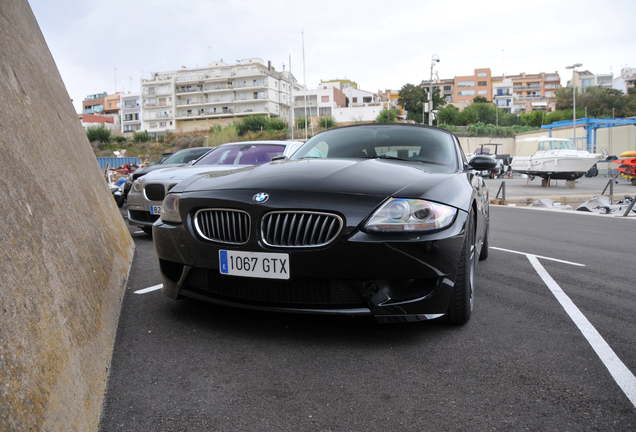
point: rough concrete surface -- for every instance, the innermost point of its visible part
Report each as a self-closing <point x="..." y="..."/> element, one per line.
<point x="65" y="251"/>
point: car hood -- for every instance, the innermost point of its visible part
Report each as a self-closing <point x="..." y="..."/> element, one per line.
<point x="375" y="177"/>
<point x="183" y="172"/>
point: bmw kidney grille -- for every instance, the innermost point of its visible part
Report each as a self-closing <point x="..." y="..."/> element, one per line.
<point x="155" y="192"/>
<point x="299" y="229"/>
<point x="224" y="226"/>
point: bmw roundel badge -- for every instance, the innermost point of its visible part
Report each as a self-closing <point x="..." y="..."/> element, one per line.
<point x="260" y="198"/>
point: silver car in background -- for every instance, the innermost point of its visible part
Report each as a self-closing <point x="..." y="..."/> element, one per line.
<point x="148" y="192"/>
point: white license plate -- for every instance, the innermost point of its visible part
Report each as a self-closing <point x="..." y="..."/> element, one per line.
<point x="254" y="264"/>
<point x="155" y="210"/>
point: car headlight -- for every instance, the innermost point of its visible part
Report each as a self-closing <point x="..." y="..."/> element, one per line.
<point x="136" y="186"/>
<point x="170" y="208"/>
<point x="398" y="214"/>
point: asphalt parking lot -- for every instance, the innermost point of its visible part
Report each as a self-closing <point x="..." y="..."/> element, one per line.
<point x="549" y="347"/>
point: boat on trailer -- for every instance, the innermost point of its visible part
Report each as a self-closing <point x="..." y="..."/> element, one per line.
<point x="553" y="159"/>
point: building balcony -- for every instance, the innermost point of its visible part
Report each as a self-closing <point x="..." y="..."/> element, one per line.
<point x="157" y="105"/>
<point x="191" y="103"/>
<point x="218" y="87"/>
<point x="526" y="87"/>
<point x="205" y="113"/>
<point x="152" y="117"/>
<point x="131" y="106"/>
<point x="186" y="90"/>
<point x="191" y="78"/>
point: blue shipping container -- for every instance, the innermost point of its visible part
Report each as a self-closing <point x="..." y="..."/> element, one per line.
<point x="116" y="162"/>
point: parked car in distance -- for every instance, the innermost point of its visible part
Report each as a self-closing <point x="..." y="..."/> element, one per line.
<point x="147" y="192"/>
<point x="178" y="158"/>
<point x="386" y="220"/>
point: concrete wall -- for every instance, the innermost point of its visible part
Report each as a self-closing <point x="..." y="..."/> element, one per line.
<point x="65" y="251"/>
<point x="470" y="144"/>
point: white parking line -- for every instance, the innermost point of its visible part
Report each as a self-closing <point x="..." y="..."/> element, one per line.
<point x="621" y="374"/>
<point x="149" y="289"/>
<point x="538" y="256"/>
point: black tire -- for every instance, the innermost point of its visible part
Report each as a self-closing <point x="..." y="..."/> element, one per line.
<point x="147" y="230"/>
<point x="483" y="254"/>
<point x="462" y="300"/>
<point x="120" y="201"/>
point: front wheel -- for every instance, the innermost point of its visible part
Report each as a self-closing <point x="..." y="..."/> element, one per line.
<point x="147" y="230"/>
<point x="462" y="300"/>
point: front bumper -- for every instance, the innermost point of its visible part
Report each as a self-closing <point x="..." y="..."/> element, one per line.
<point x="139" y="210"/>
<point x="396" y="280"/>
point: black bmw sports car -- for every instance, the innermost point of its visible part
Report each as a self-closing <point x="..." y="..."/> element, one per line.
<point x="379" y="219"/>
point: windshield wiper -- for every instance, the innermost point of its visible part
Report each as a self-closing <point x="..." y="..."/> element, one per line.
<point x="389" y="157"/>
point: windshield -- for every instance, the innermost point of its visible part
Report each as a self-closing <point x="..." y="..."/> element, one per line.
<point x="416" y="144"/>
<point x="242" y="154"/>
<point x="185" y="156"/>
<point x="556" y="145"/>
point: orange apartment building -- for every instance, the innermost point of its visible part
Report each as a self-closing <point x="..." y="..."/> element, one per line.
<point x="533" y="92"/>
<point x="470" y="86"/>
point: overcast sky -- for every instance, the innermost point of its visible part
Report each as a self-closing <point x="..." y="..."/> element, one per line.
<point x="110" y="45"/>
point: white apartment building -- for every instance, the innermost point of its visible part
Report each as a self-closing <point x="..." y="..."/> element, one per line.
<point x="625" y="80"/>
<point x="191" y="99"/>
<point x="330" y="99"/>
<point x="503" y="95"/>
<point x="321" y="101"/>
<point x="130" y="114"/>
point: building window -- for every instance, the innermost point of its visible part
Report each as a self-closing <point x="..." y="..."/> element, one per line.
<point x="324" y="98"/>
<point x="481" y="84"/>
<point x="325" y="111"/>
<point x="466" y="93"/>
<point x="587" y="82"/>
<point x="466" y="84"/>
<point x="482" y="92"/>
<point x="355" y="100"/>
<point x="447" y="88"/>
<point x="482" y="75"/>
<point x="367" y="99"/>
<point x="259" y="95"/>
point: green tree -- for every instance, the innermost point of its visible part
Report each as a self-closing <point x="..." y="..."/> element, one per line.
<point x="411" y="98"/>
<point x="392" y="116"/>
<point x="480" y="99"/>
<point x="447" y="115"/>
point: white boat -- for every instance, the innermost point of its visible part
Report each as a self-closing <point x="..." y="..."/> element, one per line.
<point x="552" y="158"/>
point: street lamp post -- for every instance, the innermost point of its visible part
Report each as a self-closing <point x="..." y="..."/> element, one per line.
<point x="434" y="60"/>
<point x="573" y="67"/>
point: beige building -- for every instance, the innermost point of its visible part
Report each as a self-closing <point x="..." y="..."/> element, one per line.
<point x="195" y="99"/>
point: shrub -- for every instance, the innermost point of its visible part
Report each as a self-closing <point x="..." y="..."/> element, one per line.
<point x="119" y="138"/>
<point x="326" y="122"/>
<point x="98" y="133"/>
<point x="251" y="124"/>
<point x="140" y="137"/>
<point x="275" y="124"/>
<point x="299" y="122"/>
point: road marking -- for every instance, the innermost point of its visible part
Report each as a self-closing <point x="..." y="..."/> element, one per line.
<point x="538" y="256"/>
<point x="621" y="374"/>
<point x="149" y="289"/>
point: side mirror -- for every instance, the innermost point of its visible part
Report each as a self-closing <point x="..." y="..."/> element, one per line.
<point x="191" y="162"/>
<point x="482" y="163"/>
